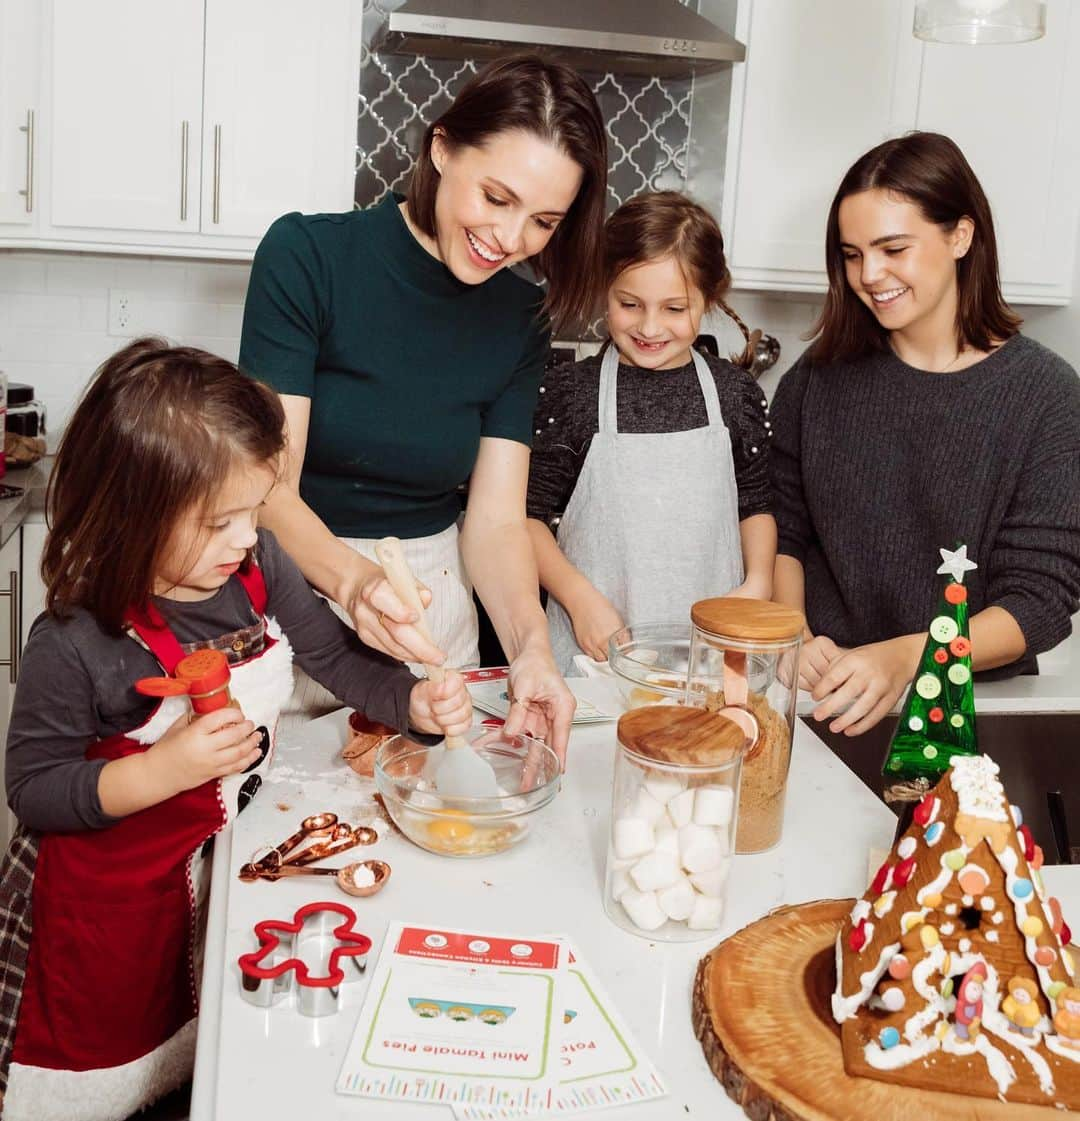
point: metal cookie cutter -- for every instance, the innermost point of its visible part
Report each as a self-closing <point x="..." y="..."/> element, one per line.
<point x="322" y="931"/>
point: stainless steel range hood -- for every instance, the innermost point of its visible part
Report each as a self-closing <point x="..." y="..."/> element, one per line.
<point x="651" y="37"/>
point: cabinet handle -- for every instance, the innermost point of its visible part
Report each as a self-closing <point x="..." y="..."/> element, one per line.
<point x="217" y="173"/>
<point x="183" y="169"/>
<point x="11" y="593"/>
<point x="28" y="128"/>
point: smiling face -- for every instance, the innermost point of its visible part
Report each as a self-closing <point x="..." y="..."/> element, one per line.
<point x="497" y="203"/>
<point x="901" y="266"/>
<point x="207" y="546"/>
<point x="654" y="314"/>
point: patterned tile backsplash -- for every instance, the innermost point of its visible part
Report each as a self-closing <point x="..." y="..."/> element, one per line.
<point x="648" y="119"/>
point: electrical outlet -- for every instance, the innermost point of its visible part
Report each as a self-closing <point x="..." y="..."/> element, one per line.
<point x="123" y="313"/>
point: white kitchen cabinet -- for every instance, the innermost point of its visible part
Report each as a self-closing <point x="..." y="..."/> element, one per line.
<point x="185" y="127"/>
<point x="274" y="94"/>
<point x="31" y="585"/>
<point x="126" y="113"/>
<point x="20" y="64"/>
<point x="10" y="650"/>
<point x="1015" y="112"/>
<point x="825" y="82"/>
<point x="822" y="82"/>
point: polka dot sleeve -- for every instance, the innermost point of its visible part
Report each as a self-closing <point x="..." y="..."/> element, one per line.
<point x="563" y="426"/>
<point x="751" y="436"/>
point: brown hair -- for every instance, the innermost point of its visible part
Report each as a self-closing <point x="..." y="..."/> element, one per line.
<point x="550" y="101"/>
<point x="662" y="224"/>
<point x="155" y="435"/>
<point x="930" y="171"/>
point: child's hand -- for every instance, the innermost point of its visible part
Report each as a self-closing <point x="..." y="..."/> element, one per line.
<point x="595" y="621"/>
<point x="444" y="709"/>
<point x="207" y="747"/>
<point x="753" y="587"/>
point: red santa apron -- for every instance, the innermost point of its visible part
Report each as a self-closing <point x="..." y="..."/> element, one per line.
<point x="107" y="1018"/>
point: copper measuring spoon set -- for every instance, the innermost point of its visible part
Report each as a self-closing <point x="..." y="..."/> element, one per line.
<point x="333" y="837"/>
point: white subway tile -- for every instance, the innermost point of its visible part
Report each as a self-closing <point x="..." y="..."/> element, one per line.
<point x="21" y="273"/>
<point x="94" y="314"/>
<point x="176" y="320"/>
<point x="84" y="274"/>
<point x="230" y="320"/>
<point x="43" y="310"/>
<point x="218" y="283"/>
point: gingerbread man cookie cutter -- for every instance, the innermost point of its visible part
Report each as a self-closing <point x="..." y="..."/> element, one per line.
<point x="318" y="931"/>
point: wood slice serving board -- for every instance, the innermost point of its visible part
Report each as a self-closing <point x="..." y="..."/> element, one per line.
<point x="761" y="1011"/>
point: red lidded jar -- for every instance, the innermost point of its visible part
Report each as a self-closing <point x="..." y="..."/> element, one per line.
<point x="206" y="674"/>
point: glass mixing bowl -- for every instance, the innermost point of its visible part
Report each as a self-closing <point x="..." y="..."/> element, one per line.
<point x="526" y="770"/>
<point x="649" y="661"/>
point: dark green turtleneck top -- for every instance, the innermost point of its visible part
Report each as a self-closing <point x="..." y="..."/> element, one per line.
<point x="406" y="366"/>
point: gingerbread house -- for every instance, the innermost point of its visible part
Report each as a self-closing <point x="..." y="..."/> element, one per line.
<point x="953" y="970"/>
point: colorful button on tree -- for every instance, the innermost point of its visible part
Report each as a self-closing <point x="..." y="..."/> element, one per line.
<point x="938" y="718"/>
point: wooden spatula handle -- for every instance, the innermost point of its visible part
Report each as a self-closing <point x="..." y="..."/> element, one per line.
<point x="392" y="558"/>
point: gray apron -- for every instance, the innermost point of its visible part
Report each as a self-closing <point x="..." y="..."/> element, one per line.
<point x="653" y="522"/>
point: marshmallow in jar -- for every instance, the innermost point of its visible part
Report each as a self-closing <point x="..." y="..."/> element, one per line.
<point x="673" y="817"/>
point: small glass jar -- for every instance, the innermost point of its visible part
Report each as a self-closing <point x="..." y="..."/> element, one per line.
<point x="673" y="817"/>
<point x="744" y="664"/>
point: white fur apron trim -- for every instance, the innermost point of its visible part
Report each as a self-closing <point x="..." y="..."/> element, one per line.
<point x="111" y="1094"/>
<point x="260" y="686"/>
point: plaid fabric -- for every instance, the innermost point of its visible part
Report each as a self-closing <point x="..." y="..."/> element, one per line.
<point x="16" y="886"/>
<point x="238" y="646"/>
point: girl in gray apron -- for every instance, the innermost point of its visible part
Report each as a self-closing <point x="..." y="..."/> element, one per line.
<point x="656" y="519"/>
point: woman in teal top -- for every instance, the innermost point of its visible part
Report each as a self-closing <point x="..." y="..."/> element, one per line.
<point x="408" y="359"/>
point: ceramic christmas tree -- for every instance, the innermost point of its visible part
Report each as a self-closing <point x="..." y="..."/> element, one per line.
<point x="938" y="718"/>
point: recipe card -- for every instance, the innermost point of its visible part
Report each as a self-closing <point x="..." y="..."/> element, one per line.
<point x="460" y="1017"/>
<point x="601" y="1065"/>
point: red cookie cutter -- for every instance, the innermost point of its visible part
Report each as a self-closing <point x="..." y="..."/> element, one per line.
<point x="271" y="971"/>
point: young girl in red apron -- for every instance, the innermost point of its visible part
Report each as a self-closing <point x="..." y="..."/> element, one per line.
<point x="153" y="553"/>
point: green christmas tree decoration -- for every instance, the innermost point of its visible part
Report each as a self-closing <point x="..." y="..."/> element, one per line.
<point x="938" y="717"/>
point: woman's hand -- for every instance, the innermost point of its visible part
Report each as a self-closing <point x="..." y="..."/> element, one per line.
<point x="381" y="620"/>
<point x="443" y="709"/>
<point x="542" y="706"/>
<point x="815" y="658"/>
<point x="207" y="747"/>
<point x="594" y="621"/>
<point x="863" y="684"/>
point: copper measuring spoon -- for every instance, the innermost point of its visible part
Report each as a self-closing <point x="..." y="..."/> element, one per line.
<point x="344" y="876"/>
<point x="317" y="825"/>
<point x="736" y="696"/>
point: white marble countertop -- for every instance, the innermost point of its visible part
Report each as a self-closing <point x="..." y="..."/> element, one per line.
<point x="275" y="1063"/>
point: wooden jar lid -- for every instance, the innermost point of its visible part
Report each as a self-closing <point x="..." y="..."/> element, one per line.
<point x="747" y="620"/>
<point x="676" y="734"/>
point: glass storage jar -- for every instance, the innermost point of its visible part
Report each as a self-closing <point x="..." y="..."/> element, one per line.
<point x="674" y="806"/>
<point x="744" y="664"/>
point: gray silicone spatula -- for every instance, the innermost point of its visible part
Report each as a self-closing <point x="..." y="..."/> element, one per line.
<point x="460" y="773"/>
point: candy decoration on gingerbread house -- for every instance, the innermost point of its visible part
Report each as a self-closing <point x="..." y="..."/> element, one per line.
<point x="938" y="718"/>
<point x="953" y="970"/>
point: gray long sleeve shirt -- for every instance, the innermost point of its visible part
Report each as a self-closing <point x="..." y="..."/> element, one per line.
<point x="876" y="465"/>
<point x="76" y="685"/>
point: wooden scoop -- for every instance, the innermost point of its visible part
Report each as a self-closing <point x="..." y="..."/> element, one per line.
<point x="460" y="773"/>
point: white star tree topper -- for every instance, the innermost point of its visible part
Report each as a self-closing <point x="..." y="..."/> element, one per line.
<point x="956" y="563"/>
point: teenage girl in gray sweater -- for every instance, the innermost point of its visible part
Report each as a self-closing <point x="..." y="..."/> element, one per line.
<point x="918" y="419"/>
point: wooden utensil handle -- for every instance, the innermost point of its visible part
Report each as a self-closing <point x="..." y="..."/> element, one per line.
<point x="391" y="556"/>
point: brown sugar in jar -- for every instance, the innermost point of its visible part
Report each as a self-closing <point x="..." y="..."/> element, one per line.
<point x="744" y="665"/>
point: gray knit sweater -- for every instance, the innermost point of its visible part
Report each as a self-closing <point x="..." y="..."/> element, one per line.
<point x="876" y="465"/>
